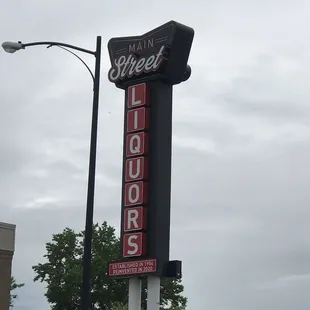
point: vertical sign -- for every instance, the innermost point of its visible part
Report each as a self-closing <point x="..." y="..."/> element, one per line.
<point x="136" y="177"/>
<point x="147" y="67"/>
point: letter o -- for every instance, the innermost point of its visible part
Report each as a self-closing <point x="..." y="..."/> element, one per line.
<point x="131" y="188"/>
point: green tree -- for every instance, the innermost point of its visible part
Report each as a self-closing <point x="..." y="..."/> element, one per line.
<point x="14" y="286"/>
<point x="62" y="273"/>
<point x="119" y="306"/>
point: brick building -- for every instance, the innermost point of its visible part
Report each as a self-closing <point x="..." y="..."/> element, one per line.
<point x="7" y="243"/>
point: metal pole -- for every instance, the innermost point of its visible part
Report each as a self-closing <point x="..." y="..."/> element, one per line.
<point x="85" y="294"/>
<point x="153" y="293"/>
<point x="134" y="299"/>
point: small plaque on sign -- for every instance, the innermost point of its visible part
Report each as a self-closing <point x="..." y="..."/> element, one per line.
<point x="132" y="268"/>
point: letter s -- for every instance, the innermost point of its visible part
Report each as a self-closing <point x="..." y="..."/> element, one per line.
<point x="132" y="244"/>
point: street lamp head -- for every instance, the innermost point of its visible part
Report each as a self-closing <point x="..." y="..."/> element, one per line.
<point x="12" y="47"/>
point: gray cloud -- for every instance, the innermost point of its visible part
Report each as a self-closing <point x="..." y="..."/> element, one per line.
<point x="240" y="143"/>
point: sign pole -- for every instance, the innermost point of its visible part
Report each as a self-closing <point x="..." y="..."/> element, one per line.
<point x="134" y="302"/>
<point x="153" y="293"/>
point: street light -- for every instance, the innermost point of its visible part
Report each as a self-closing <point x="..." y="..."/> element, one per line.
<point x="12" y="47"/>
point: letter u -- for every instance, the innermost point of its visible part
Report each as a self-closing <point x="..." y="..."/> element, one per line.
<point x="134" y="174"/>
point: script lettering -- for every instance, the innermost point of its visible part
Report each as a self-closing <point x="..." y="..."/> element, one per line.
<point x="127" y="66"/>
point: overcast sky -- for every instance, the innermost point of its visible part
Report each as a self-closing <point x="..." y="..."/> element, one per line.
<point x="241" y="142"/>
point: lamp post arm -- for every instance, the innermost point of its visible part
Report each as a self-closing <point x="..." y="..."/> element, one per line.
<point x="78" y="57"/>
<point x="24" y="45"/>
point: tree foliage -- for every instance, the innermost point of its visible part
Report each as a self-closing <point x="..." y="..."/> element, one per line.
<point x="14" y="286"/>
<point x="62" y="273"/>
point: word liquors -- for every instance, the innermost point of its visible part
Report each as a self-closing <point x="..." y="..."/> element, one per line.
<point x="136" y="172"/>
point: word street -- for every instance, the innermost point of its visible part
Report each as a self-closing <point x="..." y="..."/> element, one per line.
<point x="127" y="66"/>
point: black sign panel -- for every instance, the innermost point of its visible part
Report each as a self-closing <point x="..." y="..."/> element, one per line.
<point x="159" y="54"/>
